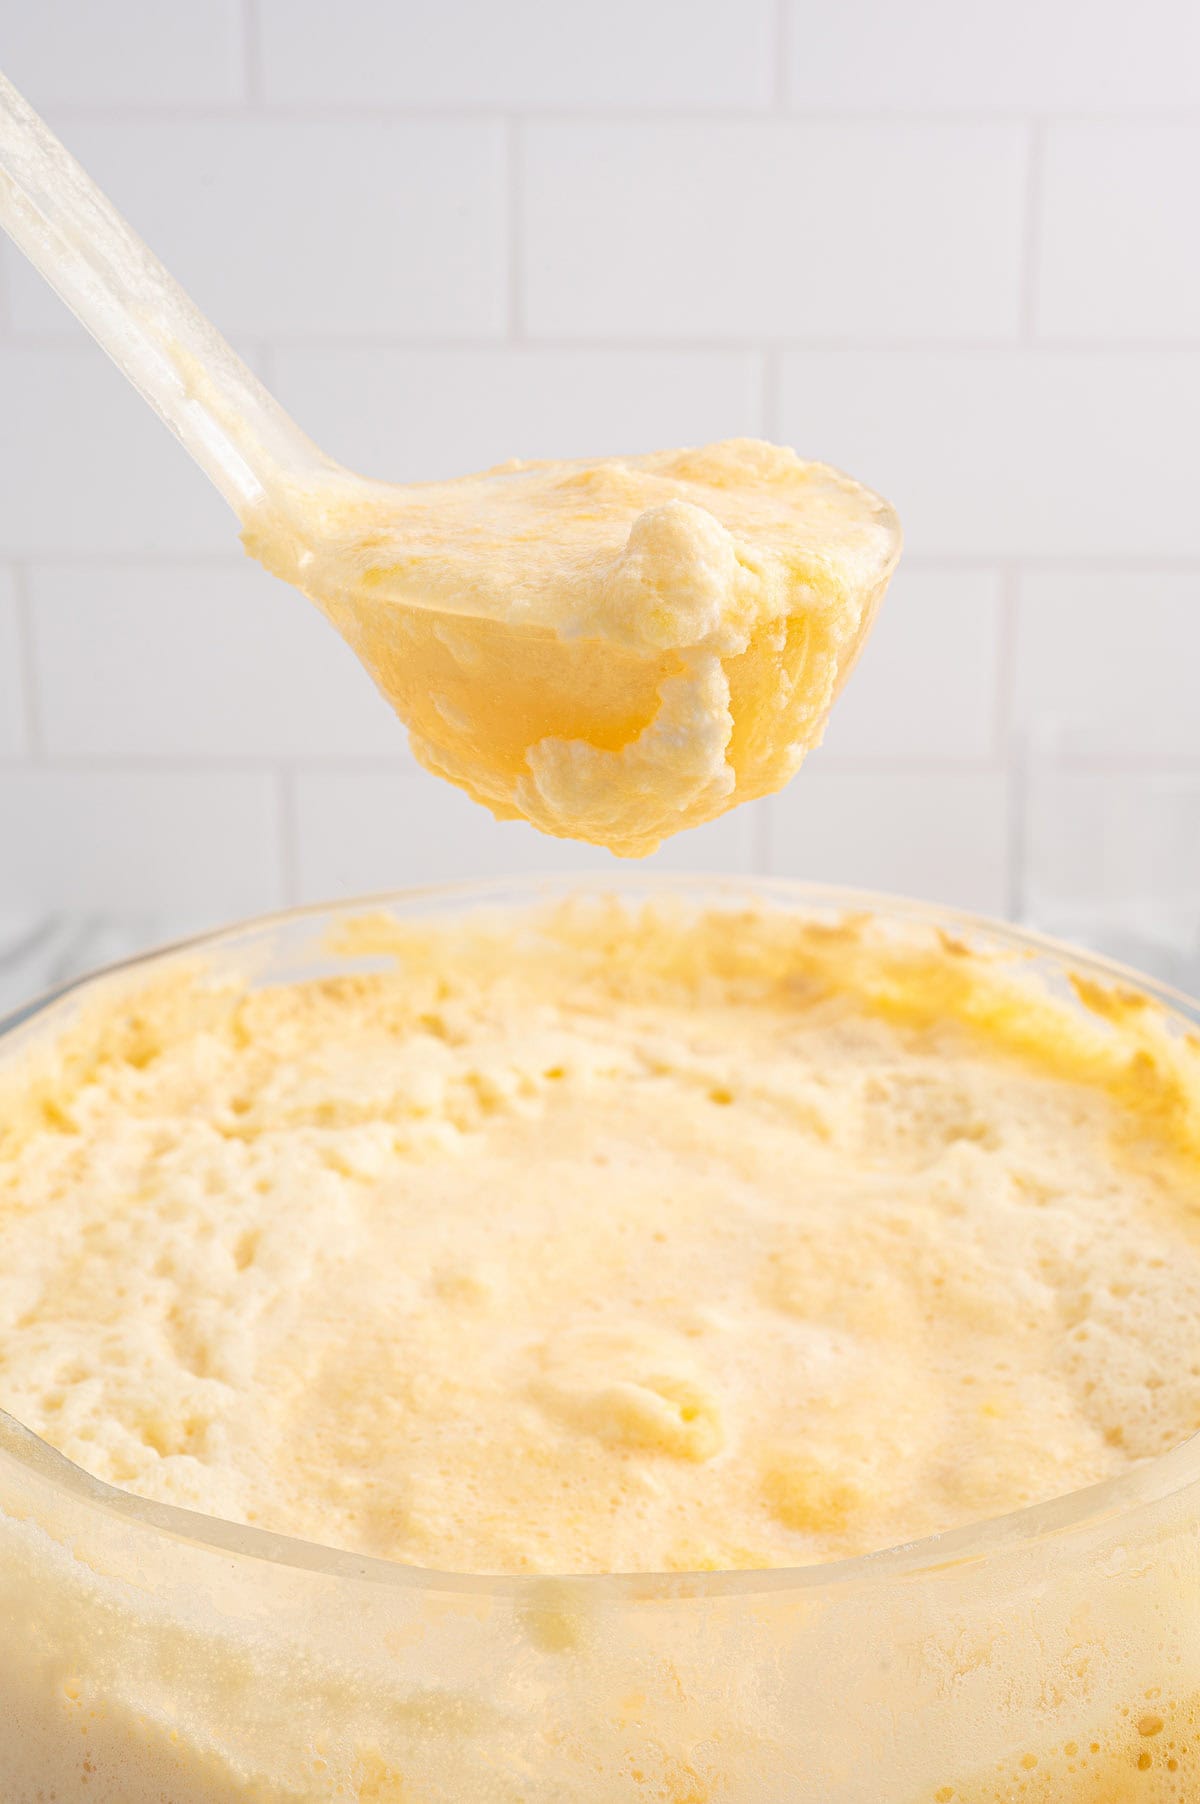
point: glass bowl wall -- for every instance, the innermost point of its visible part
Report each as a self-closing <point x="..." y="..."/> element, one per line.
<point x="152" y="1654"/>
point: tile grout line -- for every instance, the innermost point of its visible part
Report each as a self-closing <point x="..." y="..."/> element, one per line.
<point x="263" y="353"/>
<point x="769" y="398"/>
<point x="780" y="47"/>
<point x="50" y="559"/>
<point x="1088" y="563"/>
<point x="901" y="764"/>
<point x="833" y="764"/>
<point x="760" y="851"/>
<point x="73" y="340"/>
<point x="1031" y="240"/>
<point x="30" y="690"/>
<point x="217" y="764"/>
<point x="287" y="814"/>
<point x="1017" y="836"/>
<point x="515" y="234"/>
<point x="349" y="112"/>
<point x="1005" y="739"/>
<point x="1004" y="721"/>
<point x="8" y="324"/>
<point x="1074" y="563"/>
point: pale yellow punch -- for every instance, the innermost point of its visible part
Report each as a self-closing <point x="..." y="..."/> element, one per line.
<point x="587" y="1239"/>
<point x="613" y="650"/>
<point x="626" y="1251"/>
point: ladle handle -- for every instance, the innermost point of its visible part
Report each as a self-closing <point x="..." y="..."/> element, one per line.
<point x="215" y="406"/>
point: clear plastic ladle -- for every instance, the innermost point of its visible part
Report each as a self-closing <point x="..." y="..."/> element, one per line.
<point x="588" y="646"/>
<point x="215" y="406"/>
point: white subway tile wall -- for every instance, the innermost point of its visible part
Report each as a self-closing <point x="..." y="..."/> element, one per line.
<point x="1119" y="260"/>
<point x="307" y="227"/>
<point x="127" y="52"/>
<point x="1112" y="657"/>
<point x="415" y="415"/>
<point x="14" y="731"/>
<point x="138" y="662"/>
<point x="947" y="247"/>
<point x="348" y="823"/>
<point x="524" y="53"/>
<point x="925" y="687"/>
<point x="1032" y="55"/>
<point x="115" y="839"/>
<point x="1012" y="454"/>
<point x="85" y="468"/>
<point x="772" y="229"/>
<point x="939" y="833"/>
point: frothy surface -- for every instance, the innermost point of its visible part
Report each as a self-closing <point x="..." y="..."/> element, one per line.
<point x="603" y="1240"/>
<point x="613" y="649"/>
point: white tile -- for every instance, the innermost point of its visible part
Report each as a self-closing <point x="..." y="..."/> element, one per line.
<point x="412" y="415"/>
<point x="86" y="467"/>
<point x="200" y="843"/>
<point x="940" y="836"/>
<point x="1111" y="860"/>
<point x="734" y="844"/>
<point x="1074" y="54"/>
<point x="361" y="831"/>
<point x="1036" y="453"/>
<point x="1118" y="254"/>
<point x="1110" y="660"/>
<point x="732" y="229"/>
<point x="927" y="684"/>
<point x="13" y="726"/>
<point x="627" y="53"/>
<point x="120" y="51"/>
<point x="294" y="225"/>
<point x="167" y="660"/>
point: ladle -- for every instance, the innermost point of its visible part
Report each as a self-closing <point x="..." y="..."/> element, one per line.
<point x="581" y="645"/>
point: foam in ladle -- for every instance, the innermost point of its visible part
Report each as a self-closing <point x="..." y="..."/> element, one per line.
<point x="611" y="650"/>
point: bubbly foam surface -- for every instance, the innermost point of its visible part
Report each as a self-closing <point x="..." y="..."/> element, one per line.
<point x="613" y="649"/>
<point x="1149" y="1754"/>
<point x="606" y="1240"/>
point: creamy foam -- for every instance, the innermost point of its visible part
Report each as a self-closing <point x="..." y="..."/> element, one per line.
<point x="609" y="1246"/>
